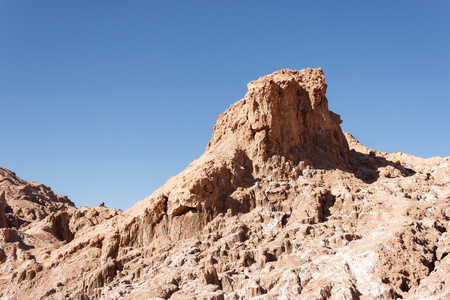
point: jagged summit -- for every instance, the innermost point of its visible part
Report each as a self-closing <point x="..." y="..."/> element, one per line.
<point x="279" y="128"/>
<point x="284" y="114"/>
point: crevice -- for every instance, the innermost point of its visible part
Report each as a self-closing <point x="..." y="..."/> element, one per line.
<point x="166" y="203"/>
<point x="60" y="227"/>
<point x="284" y="220"/>
<point x="404" y="285"/>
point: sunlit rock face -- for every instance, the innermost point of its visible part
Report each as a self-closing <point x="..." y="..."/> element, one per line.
<point x="282" y="205"/>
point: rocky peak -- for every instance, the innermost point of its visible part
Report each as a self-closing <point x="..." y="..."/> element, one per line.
<point x="279" y="129"/>
<point x="284" y="114"/>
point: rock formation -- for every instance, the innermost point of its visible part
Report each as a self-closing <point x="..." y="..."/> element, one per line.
<point x="282" y="204"/>
<point x="25" y="202"/>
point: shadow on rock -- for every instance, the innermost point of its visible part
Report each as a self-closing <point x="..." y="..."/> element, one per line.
<point x="369" y="167"/>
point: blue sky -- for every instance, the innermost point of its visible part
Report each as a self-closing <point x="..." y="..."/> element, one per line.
<point x="104" y="100"/>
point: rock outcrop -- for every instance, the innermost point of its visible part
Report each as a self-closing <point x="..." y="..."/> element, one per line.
<point x="26" y="202"/>
<point x="282" y="204"/>
<point x="281" y="128"/>
<point x="34" y="222"/>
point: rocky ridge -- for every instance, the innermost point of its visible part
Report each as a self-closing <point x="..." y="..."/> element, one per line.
<point x="282" y="204"/>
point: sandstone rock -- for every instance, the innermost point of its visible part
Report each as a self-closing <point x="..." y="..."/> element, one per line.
<point x="282" y="205"/>
<point x="28" y="201"/>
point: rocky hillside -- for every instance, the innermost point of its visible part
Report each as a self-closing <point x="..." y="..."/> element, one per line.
<point x="282" y="205"/>
<point x="22" y="203"/>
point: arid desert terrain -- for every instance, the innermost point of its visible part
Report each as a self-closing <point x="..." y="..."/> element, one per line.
<point x="281" y="205"/>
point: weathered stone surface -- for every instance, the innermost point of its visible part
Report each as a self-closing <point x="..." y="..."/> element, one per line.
<point x="27" y="202"/>
<point x="282" y="205"/>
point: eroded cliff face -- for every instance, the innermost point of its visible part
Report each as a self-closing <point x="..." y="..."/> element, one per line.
<point x="284" y="114"/>
<point x="281" y="127"/>
<point x="282" y="204"/>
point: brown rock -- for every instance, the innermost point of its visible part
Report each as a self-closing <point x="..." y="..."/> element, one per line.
<point x="282" y="205"/>
<point x="3" y="220"/>
<point x="28" y="201"/>
<point x="209" y="276"/>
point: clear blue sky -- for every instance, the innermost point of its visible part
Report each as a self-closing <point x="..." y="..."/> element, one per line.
<point x="104" y="100"/>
